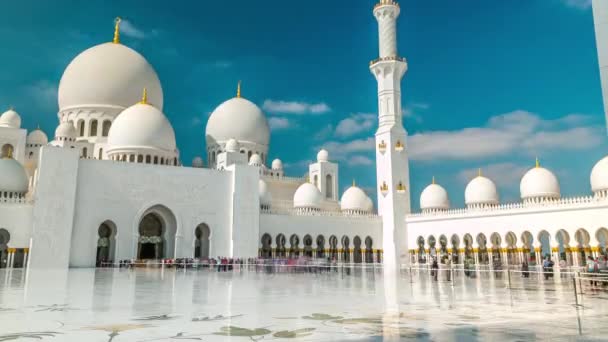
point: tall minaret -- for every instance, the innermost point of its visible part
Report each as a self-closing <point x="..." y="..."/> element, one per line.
<point x="600" y="17"/>
<point x="392" y="170"/>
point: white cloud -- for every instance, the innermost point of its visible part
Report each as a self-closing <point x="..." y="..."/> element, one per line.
<point x="356" y="123"/>
<point x="359" y="160"/>
<point x="324" y="133"/>
<point x="43" y="93"/>
<point x="580" y="4"/>
<point x="279" y="123"/>
<point x="413" y="110"/>
<point x="341" y="150"/>
<point x="295" y="107"/>
<point x="519" y="132"/>
<point x="128" y="29"/>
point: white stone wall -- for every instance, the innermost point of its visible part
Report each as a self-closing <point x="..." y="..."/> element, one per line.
<point x="16" y="218"/>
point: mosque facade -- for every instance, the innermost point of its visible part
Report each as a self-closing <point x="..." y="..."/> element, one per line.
<point x="111" y="185"/>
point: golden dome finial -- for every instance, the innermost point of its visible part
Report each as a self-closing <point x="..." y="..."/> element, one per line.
<point x="433" y="180"/>
<point x="116" y="39"/>
<point x="479" y="172"/>
<point x="9" y="153"/>
<point x="537" y="163"/>
<point x="144" y="97"/>
<point x="354" y="183"/>
<point x="238" y="89"/>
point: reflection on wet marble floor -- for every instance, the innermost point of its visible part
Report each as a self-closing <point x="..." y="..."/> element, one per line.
<point x="154" y="305"/>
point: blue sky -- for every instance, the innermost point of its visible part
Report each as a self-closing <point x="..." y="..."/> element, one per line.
<point x="491" y="84"/>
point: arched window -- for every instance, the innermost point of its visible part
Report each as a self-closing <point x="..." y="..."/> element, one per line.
<point x="162" y="160"/>
<point x="148" y="159"/>
<point x="155" y="159"/>
<point x="100" y="154"/>
<point x="316" y="180"/>
<point x="249" y="155"/>
<point x="7" y="150"/>
<point x="140" y="158"/>
<point x="84" y="152"/>
<point x="132" y="158"/>
<point x="105" y="129"/>
<point x="81" y="128"/>
<point x="31" y="155"/>
<point x="329" y="187"/>
<point x="93" y="128"/>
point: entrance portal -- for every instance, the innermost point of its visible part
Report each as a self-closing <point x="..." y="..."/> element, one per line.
<point x="150" y="238"/>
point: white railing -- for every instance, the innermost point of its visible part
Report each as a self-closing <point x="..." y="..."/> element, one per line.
<point x="530" y="204"/>
<point x="313" y="212"/>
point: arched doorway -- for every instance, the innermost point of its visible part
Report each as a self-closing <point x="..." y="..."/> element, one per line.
<point x="545" y="245"/>
<point x="602" y="240"/>
<point x="563" y="246"/>
<point x="333" y="247"/>
<point x="482" y="251"/>
<point x="294" y="246"/>
<point x="496" y="241"/>
<point x="157" y="229"/>
<point x="421" y="250"/>
<point x="582" y="245"/>
<point x="308" y="246"/>
<point x="345" y="249"/>
<point x="511" y="240"/>
<point x="455" y="240"/>
<point x="469" y="255"/>
<point x="357" y="253"/>
<point x="281" y="251"/>
<point x="527" y="240"/>
<point x="5" y="237"/>
<point x="369" y="250"/>
<point x="203" y="241"/>
<point x="106" y="243"/>
<point x="443" y="248"/>
<point x="432" y="250"/>
<point x="320" y="246"/>
<point x="266" y="250"/>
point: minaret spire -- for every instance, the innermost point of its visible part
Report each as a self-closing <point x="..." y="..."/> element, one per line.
<point x="392" y="166"/>
<point x="238" y="90"/>
<point x="144" y="97"/>
<point x="116" y="39"/>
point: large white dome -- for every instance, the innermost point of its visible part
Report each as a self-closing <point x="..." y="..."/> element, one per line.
<point x="434" y="197"/>
<point x="108" y="75"/>
<point x="354" y="199"/>
<point x="539" y="182"/>
<point x="481" y="190"/>
<point x="142" y="126"/>
<point x="599" y="175"/>
<point x="240" y="119"/>
<point x="307" y="196"/>
<point x="10" y="119"/>
<point x="13" y="177"/>
<point x="37" y="137"/>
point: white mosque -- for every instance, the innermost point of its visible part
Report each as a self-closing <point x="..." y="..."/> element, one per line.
<point x="110" y="185"/>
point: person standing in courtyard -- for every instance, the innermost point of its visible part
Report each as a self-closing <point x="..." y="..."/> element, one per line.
<point x="524" y="269"/>
<point x="434" y="269"/>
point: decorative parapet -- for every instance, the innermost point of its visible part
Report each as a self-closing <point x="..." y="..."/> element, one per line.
<point x="298" y="180"/>
<point x="547" y="204"/>
<point x="14" y="198"/>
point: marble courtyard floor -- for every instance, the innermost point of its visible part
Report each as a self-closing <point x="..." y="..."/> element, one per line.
<point x="177" y="305"/>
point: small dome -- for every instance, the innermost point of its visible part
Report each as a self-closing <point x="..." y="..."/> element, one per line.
<point x="265" y="196"/>
<point x="255" y="160"/>
<point x="108" y="75"/>
<point x="37" y="137"/>
<point x="539" y="182"/>
<point x="232" y="145"/>
<point x="307" y="196"/>
<point x="10" y="119"/>
<point x="13" y="177"/>
<point x="481" y="190"/>
<point x="599" y="175"/>
<point x="434" y="197"/>
<point x="323" y="156"/>
<point x="142" y="125"/>
<point x="277" y="165"/>
<point x="66" y="130"/>
<point x="197" y="162"/>
<point x="240" y="119"/>
<point x="354" y="199"/>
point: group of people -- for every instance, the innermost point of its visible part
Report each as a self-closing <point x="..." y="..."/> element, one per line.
<point x="598" y="268"/>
